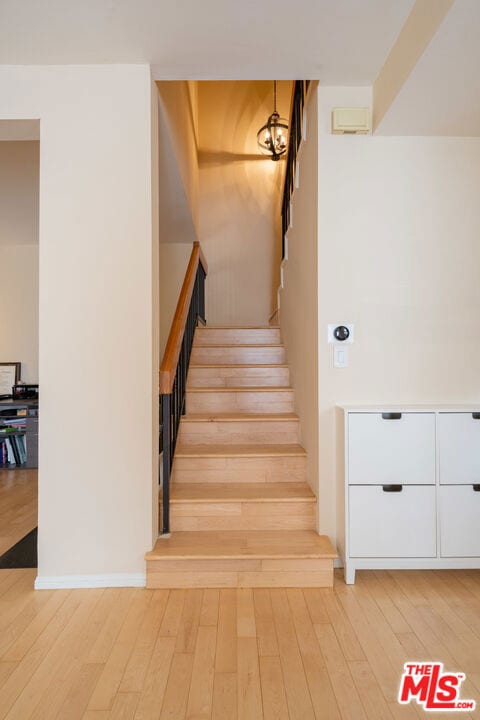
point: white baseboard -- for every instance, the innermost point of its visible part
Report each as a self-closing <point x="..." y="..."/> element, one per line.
<point x="57" y="582"/>
<point x="338" y="563"/>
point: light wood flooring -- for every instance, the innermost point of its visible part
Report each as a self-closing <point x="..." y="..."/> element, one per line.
<point x="18" y="506"/>
<point x="334" y="654"/>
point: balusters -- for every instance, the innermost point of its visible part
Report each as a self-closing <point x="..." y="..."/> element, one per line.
<point x="295" y="138"/>
<point x="172" y="405"/>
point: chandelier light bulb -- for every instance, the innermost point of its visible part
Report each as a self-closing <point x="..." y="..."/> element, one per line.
<point x="272" y="137"/>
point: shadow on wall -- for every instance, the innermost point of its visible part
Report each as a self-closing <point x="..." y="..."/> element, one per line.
<point x="215" y="158"/>
<point x="240" y="193"/>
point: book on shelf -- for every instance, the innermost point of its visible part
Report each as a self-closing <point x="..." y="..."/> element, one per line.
<point x="12" y="426"/>
<point x="16" y="454"/>
<point x="10" y="457"/>
<point x="13" y="450"/>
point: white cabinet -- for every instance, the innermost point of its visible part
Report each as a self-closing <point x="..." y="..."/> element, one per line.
<point x="460" y="520"/>
<point x="391" y="447"/>
<point x="459" y="448"/>
<point x="386" y="523"/>
<point x="410" y="495"/>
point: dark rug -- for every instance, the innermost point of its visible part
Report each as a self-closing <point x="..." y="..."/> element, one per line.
<point x="23" y="554"/>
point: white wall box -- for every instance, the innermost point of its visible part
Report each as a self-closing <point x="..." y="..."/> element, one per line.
<point x="409" y="496"/>
<point x="350" y="120"/>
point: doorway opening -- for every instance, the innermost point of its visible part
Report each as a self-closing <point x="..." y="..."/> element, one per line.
<point x="19" y="299"/>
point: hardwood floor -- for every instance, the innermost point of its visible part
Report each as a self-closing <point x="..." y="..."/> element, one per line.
<point x="331" y="654"/>
<point x="18" y="506"/>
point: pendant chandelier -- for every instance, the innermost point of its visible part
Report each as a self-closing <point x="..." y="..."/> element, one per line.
<point x="272" y="138"/>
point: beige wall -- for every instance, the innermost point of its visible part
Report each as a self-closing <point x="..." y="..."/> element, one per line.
<point x="178" y="103"/>
<point x="399" y="256"/>
<point x="19" y="168"/>
<point x="238" y="201"/>
<point x="19" y="308"/>
<point x="176" y="222"/>
<point x="174" y="259"/>
<point x="98" y="341"/>
<point x="177" y="192"/>
<point x="420" y="27"/>
<point x="19" y="184"/>
<point x="298" y="298"/>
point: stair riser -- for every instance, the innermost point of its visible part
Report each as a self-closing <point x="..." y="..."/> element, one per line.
<point x="237" y="355"/>
<point x="246" y="432"/>
<point x="238" y="377"/>
<point x="244" y="402"/>
<point x="234" y="573"/>
<point x="237" y="336"/>
<point x="239" y="469"/>
<point x="242" y="516"/>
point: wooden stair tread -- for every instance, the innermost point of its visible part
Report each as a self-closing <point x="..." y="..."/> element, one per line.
<point x="239" y="417"/>
<point x="233" y="544"/>
<point x="198" y="366"/>
<point x="240" y="450"/>
<point x="256" y="346"/>
<point x="240" y="389"/>
<point x="239" y="327"/>
<point x="241" y="492"/>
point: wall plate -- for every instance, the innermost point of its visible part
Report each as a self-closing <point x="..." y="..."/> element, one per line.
<point x="340" y="356"/>
<point x="331" y="337"/>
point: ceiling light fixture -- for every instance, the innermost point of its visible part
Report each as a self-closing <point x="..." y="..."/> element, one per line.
<point x="272" y="138"/>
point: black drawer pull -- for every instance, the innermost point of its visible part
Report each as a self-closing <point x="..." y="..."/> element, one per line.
<point x="392" y="416"/>
<point x="392" y="488"/>
<point x="476" y="488"/>
<point x="476" y="415"/>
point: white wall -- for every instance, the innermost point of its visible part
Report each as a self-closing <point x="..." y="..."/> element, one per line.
<point x="298" y="298"/>
<point x="19" y="184"/>
<point x="398" y="255"/>
<point x="98" y="350"/>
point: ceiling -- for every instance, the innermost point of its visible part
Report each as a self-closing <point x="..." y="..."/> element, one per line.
<point x="336" y="41"/>
<point x="441" y="96"/>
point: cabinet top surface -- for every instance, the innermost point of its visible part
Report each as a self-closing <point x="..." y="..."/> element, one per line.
<point x="410" y="408"/>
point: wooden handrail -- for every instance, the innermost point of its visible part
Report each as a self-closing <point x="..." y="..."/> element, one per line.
<point x="177" y="330"/>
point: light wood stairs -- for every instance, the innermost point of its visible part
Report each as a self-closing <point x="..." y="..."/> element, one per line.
<point x="241" y="511"/>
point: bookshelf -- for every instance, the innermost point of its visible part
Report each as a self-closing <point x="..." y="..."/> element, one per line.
<point x="18" y="434"/>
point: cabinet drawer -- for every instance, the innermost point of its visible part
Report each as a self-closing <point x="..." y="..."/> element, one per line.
<point x="459" y="521"/>
<point x="392" y="524"/>
<point x="398" y="451"/>
<point x="459" y="448"/>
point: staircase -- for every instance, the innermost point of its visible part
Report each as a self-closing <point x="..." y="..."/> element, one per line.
<point x="241" y="511"/>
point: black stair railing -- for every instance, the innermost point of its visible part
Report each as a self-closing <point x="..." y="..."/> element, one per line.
<point x="295" y="138"/>
<point x="174" y="368"/>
